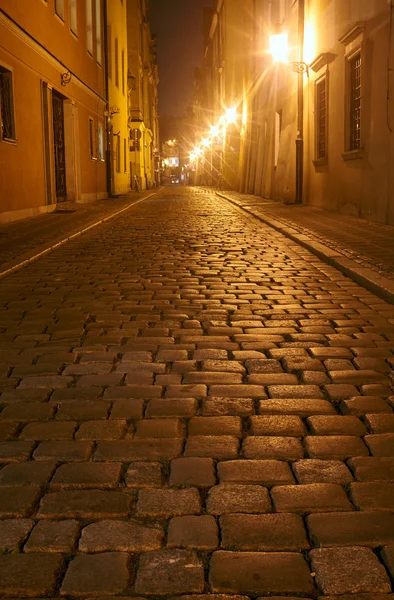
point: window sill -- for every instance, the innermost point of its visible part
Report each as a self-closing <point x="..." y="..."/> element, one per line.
<point x="9" y="141"/>
<point x="319" y="162"/>
<point x="93" y="158"/>
<point x="353" y="154"/>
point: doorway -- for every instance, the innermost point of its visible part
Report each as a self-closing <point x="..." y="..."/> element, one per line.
<point x="59" y="146"/>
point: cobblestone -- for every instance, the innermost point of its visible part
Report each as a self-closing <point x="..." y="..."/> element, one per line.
<point x="177" y="417"/>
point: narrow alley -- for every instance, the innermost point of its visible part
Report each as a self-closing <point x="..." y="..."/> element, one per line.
<point x="194" y="406"/>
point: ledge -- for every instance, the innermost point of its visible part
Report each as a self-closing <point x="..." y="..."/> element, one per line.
<point x="353" y="154"/>
<point x="352" y="32"/>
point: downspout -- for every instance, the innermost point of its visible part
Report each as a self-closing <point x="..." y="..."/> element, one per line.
<point x="108" y="125"/>
<point x="300" y="107"/>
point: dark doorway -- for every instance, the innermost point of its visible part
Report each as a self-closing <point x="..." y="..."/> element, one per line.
<point x="58" y="146"/>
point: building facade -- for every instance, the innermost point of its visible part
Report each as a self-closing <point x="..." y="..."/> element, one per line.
<point x="117" y="118"/>
<point x="143" y="100"/>
<point x="52" y="88"/>
<point x="318" y="128"/>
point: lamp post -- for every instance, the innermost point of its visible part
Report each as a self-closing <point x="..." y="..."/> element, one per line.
<point x="279" y="51"/>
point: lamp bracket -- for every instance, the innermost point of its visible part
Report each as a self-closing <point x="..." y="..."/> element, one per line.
<point x="299" y="67"/>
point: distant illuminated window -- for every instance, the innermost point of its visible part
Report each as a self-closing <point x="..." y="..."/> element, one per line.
<point x="321" y="118"/>
<point x="73" y="16"/>
<point x="92" y="146"/>
<point x="109" y="50"/>
<point x="98" y="32"/>
<point x="125" y="155"/>
<point x="116" y="62"/>
<point x="59" y="9"/>
<point x="355" y="102"/>
<point x="7" y="121"/>
<point x="89" y="26"/>
<point x="100" y="142"/>
<point x="123" y="73"/>
<point x="278" y="131"/>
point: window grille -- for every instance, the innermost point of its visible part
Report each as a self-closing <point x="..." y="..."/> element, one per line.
<point x="355" y="102"/>
<point x="321" y="119"/>
<point x="7" y="105"/>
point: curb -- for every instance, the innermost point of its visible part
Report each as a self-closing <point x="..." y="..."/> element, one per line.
<point x="377" y="284"/>
<point x="35" y="257"/>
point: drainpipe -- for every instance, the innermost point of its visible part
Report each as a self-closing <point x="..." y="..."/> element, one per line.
<point x="108" y="125"/>
<point x="300" y="107"/>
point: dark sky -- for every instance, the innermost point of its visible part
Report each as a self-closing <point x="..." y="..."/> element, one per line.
<point x="178" y="25"/>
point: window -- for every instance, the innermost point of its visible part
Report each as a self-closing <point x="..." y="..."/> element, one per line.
<point x="98" y="32"/>
<point x="354" y="66"/>
<point x="321" y="114"/>
<point x="123" y="72"/>
<point x="59" y="9"/>
<point x="73" y="16"/>
<point x="117" y="152"/>
<point x="109" y="50"/>
<point x="100" y="141"/>
<point x="92" y="146"/>
<point x="89" y="26"/>
<point x="116" y="62"/>
<point x="7" y="105"/>
<point x="278" y="130"/>
<point x="124" y="155"/>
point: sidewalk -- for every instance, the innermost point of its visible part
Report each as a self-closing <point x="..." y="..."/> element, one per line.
<point x="21" y="241"/>
<point x="363" y="250"/>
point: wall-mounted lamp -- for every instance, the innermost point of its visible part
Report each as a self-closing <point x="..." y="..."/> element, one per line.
<point x="279" y="50"/>
<point x="114" y="110"/>
<point x="65" y="78"/>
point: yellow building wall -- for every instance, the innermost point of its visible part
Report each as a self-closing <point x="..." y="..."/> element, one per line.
<point x="117" y="95"/>
<point x="37" y="47"/>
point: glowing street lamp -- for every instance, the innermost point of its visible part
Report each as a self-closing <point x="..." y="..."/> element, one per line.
<point x="205" y="142"/>
<point x="231" y="115"/>
<point x="215" y="130"/>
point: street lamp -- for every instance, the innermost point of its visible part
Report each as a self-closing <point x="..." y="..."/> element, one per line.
<point x="279" y="50"/>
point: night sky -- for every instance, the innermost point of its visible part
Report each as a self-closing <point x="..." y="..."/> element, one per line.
<point x="178" y="25"/>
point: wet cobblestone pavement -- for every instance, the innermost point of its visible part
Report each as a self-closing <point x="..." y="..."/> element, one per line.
<point x="194" y="406"/>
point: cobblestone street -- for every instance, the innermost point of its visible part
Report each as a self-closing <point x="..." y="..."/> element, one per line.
<point x="193" y="404"/>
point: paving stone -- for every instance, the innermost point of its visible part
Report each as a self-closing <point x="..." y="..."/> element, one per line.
<point x="83" y="410"/>
<point x="53" y="536"/>
<point x="336" y="425"/>
<point x="219" y="447"/>
<point x="97" y="574"/>
<point x="144" y="474"/>
<point x="380" y="444"/>
<point x="18" y="501"/>
<point x="172" y="407"/>
<point x="335" y="447"/>
<point x="264" y="472"/>
<point x="62" y="451"/>
<point x="307" y="498"/>
<point x="373" y="468"/>
<point x="101" y="430"/>
<point x="322" y="471"/>
<point x="87" y="475"/>
<point x="138" y="449"/>
<point x="388" y="558"/>
<point x="362" y="405"/>
<point x="92" y="504"/>
<point x="303" y="407"/>
<point x="237" y="391"/>
<point x="340" y="391"/>
<point x="376" y="495"/>
<point x="52" y="430"/>
<point x="29" y="411"/>
<point x="27" y="473"/>
<point x="159" y="428"/>
<point x="27" y="575"/>
<point x="165" y="503"/>
<point x="349" y="570"/>
<point x="380" y="423"/>
<point x="279" y="425"/>
<point x="232" y="497"/>
<point x="8" y="430"/>
<point x="13" y="533"/>
<point x="372" y="529"/>
<point x="12" y="452"/>
<point x="119" y="536"/>
<point x="127" y="408"/>
<point x="194" y="532"/>
<point x="199" y="472"/>
<point x="45" y="381"/>
<point x="176" y="572"/>
<point x="263" y="533"/>
<point x="260" y="573"/>
<point x="216" y="407"/>
<point x="273" y="447"/>
<point x="294" y="391"/>
<point x="212" y="426"/>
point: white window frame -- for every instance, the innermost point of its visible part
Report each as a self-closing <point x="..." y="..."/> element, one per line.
<point x="100" y="142"/>
<point x="92" y="140"/>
